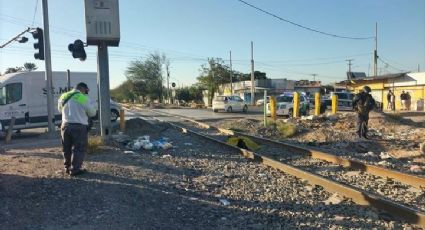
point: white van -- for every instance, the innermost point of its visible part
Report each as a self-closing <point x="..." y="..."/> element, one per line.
<point x="23" y="96"/>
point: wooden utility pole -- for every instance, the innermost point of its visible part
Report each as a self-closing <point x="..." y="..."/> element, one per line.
<point x="252" y="75"/>
<point x="231" y="74"/>
<point x="375" y="53"/>
<point x="349" y="68"/>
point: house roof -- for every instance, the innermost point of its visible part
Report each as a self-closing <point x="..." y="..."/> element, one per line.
<point x="377" y="78"/>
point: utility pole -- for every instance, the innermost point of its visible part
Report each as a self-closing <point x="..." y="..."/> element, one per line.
<point x="314" y="76"/>
<point x="419" y="68"/>
<point x="252" y="75"/>
<point x="349" y="68"/>
<point x="231" y="74"/>
<point x="168" y="82"/>
<point x="48" y="72"/>
<point x="375" y="53"/>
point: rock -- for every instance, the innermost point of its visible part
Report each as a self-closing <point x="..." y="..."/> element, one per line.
<point x="338" y="218"/>
<point x="334" y="199"/>
<point x="353" y="173"/>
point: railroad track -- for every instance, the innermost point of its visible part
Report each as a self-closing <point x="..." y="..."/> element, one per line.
<point x="326" y="170"/>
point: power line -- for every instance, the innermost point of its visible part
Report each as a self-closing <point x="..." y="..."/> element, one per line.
<point x="35" y="12"/>
<point x="301" y="26"/>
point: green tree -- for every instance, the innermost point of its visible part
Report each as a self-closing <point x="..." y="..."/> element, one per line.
<point x="124" y="92"/>
<point x="147" y="75"/>
<point x="258" y="75"/>
<point x="212" y="75"/>
<point x="28" y="66"/>
<point x="13" y="70"/>
<point x="188" y="94"/>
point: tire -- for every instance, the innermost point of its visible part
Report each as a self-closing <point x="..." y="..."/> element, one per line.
<point x="229" y="109"/>
<point x="245" y="109"/>
<point x="114" y="115"/>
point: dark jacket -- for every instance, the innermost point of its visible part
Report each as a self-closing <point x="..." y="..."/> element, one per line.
<point x="363" y="103"/>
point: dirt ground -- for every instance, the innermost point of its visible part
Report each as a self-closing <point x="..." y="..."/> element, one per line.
<point x="177" y="188"/>
<point x="395" y="135"/>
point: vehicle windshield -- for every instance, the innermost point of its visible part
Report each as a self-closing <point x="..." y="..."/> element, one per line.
<point x="284" y="99"/>
<point x="10" y="93"/>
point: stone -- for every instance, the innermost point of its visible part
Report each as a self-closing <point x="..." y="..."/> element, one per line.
<point x="334" y="199"/>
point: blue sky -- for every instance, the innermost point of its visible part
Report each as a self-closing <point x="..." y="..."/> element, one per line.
<point x="190" y="31"/>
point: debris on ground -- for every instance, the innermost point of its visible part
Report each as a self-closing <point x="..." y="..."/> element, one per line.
<point x="224" y="202"/>
<point x="243" y="142"/>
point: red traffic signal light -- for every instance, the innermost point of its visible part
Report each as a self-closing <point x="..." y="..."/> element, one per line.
<point x="77" y="50"/>
<point x="39" y="45"/>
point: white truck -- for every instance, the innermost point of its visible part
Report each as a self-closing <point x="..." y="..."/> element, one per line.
<point x="23" y="96"/>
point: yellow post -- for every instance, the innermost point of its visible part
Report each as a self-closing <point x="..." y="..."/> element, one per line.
<point x="296" y="111"/>
<point x="334" y="104"/>
<point x="317" y="104"/>
<point x="273" y="107"/>
<point x="122" y="119"/>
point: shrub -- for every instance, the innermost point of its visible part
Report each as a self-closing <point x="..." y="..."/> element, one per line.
<point x="94" y="144"/>
<point x="286" y="129"/>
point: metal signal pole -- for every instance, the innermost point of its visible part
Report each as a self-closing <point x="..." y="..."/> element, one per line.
<point x="103" y="84"/>
<point x="48" y="72"/>
<point x="252" y="75"/>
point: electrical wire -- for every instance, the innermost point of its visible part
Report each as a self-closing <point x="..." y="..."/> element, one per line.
<point x="35" y="12"/>
<point x="301" y="26"/>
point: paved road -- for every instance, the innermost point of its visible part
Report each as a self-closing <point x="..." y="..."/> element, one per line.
<point x="208" y="114"/>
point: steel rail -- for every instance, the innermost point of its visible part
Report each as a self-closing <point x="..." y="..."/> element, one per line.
<point x="412" y="180"/>
<point x="358" y="196"/>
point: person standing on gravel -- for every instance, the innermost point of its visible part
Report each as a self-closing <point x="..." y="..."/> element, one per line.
<point x="76" y="110"/>
<point x="363" y="103"/>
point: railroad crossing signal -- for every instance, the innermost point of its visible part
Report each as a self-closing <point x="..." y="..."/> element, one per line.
<point x="39" y="45"/>
<point x="77" y="50"/>
<point x="173" y="84"/>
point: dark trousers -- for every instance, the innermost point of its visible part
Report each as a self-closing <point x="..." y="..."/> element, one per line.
<point x="74" y="144"/>
<point x="362" y="121"/>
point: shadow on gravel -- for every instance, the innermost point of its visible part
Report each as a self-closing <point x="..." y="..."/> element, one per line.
<point x="100" y="201"/>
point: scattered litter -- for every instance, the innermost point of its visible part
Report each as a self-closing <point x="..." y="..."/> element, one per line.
<point x="166" y="156"/>
<point x="369" y="154"/>
<point x="243" y="142"/>
<point x="143" y="142"/>
<point x="129" y="152"/>
<point x="384" y="155"/>
<point x="224" y="202"/>
<point x="154" y="153"/>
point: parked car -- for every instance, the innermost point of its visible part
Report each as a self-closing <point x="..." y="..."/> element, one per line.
<point x="229" y="104"/>
<point x="345" y="100"/>
<point x="285" y="105"/>
<point x="261" y="101"/>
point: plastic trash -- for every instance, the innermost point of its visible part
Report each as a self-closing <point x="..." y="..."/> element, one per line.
<point x="137" y="145"/>
<point x="129" y="152"/>
<point x="167" y="146"/>
<point x="148" y="146"/>
<point x="224" y="202"/>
